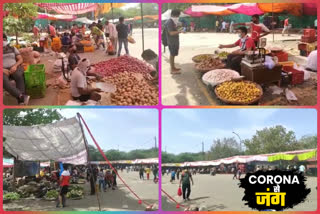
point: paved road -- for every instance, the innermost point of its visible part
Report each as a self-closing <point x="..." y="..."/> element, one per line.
<point x="221" y="193"/>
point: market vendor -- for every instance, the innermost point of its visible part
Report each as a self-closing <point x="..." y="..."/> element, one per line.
<point x="258" y="29"/>
<point x="112" y="33"/>
<point x="13" y="70"/>
<point x="79" y="87"/>
<point x="152" y="58"/>
<point x="246" y="43"/>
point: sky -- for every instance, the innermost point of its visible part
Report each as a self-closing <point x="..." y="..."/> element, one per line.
<point x="184" y="130"/>
<point x="123" y="129"/>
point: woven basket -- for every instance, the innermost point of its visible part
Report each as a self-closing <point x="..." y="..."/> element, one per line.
<point x="241" y="103"/>
<point x="198" y="61"/>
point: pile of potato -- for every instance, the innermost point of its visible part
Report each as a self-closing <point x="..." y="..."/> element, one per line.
<point x="201" y="57"/>
<point x="240" y="92"/>
<point x="210" y="64"/>
<point x="132" y="89"/>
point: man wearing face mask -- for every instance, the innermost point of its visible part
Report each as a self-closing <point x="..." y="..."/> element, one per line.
<point x="258" y="29"/>
<point x="79" y="87"/>
<point x="245" y="43"/>
<point x="13" y="69"/>
<point x="173" y="39"/>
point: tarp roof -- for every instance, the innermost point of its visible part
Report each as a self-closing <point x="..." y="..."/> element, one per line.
<point x="137" y="161"/>
<point x="61" y="141"/>
<point x="193" y="14"/>
<point x="167" y="15"/>
<point x="84" y="20"/>
<point x="69" y="8"/>
<point x="56" y="17"/>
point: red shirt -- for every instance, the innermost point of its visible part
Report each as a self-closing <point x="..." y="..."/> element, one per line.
<point x="35" y="30"/>
<point x="249" y="43"/>
<point x="65" y="177"/>
<point x="286" y="22"/>
<point x="52" y="30"/>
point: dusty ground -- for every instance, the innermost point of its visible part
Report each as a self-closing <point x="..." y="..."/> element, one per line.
<point x="112" y="200"/>
<point x="221" y="193"/>
<point x="188" y="89"/>
<point x="56" y="96"/>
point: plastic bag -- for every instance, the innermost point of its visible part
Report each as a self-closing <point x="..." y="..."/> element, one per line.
<point x="290" y="95"/>
<point x="269" y="63"/>
<point x="179" y="191"/>
<point x="131" y="40"/>
<point x="276" y="90"/>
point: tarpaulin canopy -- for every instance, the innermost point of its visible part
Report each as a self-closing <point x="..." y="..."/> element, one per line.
<point x="309" y="9"/>
<point x="167" y="15"/>
<point x="248" y="9"/>
<point x="84" y="20"/>
<point x="137" y="161"/>
<point x="106" y="7"/>
<point x="69" y="8"/>
<point x="146" y="161"/>
<point x="292" y="8"/>
<point x="193" y="14"/>
<point x="212" y="10"/>
<point x="56" y="17"/>
<point x="61" y="141"/>
<point x="302" y="156"/>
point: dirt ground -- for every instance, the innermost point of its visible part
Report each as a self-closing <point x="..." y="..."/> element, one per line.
<point x="112" y="200"/>
<point x="188" y="88"/>
<point x="57" y="96"/>
<point x="221" y="193"/>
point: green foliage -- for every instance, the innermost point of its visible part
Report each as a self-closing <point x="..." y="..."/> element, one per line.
<point x="30" y="117"/>
<point x="222" y="148"/>
<point x="273" y="139"/>
<point x="11" y="196"/>
<point x="113" y="154"/>
<point x="52" y="194"/>
<point x="24" y="22"/>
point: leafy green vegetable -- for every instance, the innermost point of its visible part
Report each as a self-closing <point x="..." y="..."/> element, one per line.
<point x="11" y="196"/>
<point x="52" y="194"/>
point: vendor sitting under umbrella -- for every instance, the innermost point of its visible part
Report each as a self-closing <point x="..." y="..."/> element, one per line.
<point x="79" y="87"/>
<point x="245" y="42"/>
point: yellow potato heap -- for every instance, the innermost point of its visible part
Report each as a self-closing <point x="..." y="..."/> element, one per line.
<point x="223" y="54"/>
<point x="243" y="92"/>
<point x="132" y="91"/>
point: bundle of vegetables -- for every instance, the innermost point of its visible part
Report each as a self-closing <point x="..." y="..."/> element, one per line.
<point x="223" y="54"/>
<point x="75" y="194"/>
<point x="209" y="64"/>
<point x="76" y="187"/>
<point x="242" y="92"/>
<point x="122" y="64"/>
<point x="202" y="57"/>
<point x="51" y="195"/>
<point x="132" y="90"/>
<point x="11" y="196"/>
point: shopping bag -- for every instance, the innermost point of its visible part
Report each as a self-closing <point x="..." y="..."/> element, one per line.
<point x="131" y="40"/>
<point x="179" y="191"/>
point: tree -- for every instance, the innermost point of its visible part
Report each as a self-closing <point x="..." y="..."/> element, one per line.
<point x="30" y="117"/>
<point x="308" y="142"/>
<point x="271" y="140"/>
<point x="19" y="18"/>
<point x="222" y="148"/>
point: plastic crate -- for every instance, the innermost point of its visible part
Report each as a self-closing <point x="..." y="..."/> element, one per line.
<point x="309" y="32"/>
<point x="302" y="46"/>
<point x="37" y="91"/>
<point x="282" y="56"/>
<point x="88" y="49"/>
<point x="308" y="39"/>
<point x="35" y="75"/>
<point x="297" y="76"/>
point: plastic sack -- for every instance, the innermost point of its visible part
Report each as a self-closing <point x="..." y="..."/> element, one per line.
<point x="131" y="40"/>
<point x="290" y="95"/>
<point x="179" y="191"/>
<point x="269" y="63"/>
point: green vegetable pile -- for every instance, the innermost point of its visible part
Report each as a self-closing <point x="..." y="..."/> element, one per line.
<point x="75" y="192"/>
<point x="223" y="54"/>
<point x="52" y="194"/>
<point x="11" y="196"/>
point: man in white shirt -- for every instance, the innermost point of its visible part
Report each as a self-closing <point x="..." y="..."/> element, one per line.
<point x="79" y="87"/>
<point x="223" y="26"/>
<point x="111" y="30"/>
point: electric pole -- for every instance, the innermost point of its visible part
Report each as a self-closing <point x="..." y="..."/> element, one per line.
<point x="203" y="149"/>
<point x="155" y="142"/>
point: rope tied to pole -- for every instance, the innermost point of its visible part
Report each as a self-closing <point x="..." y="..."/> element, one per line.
<point x="140" y="201"/>
<point x="178" y="205"/>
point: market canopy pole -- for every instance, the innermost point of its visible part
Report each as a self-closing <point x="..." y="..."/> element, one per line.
<point x="88" y="158"/>
<point x="272" y="24"/>
<point x="112" y="13"/>
<point x="142" y="26"/>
